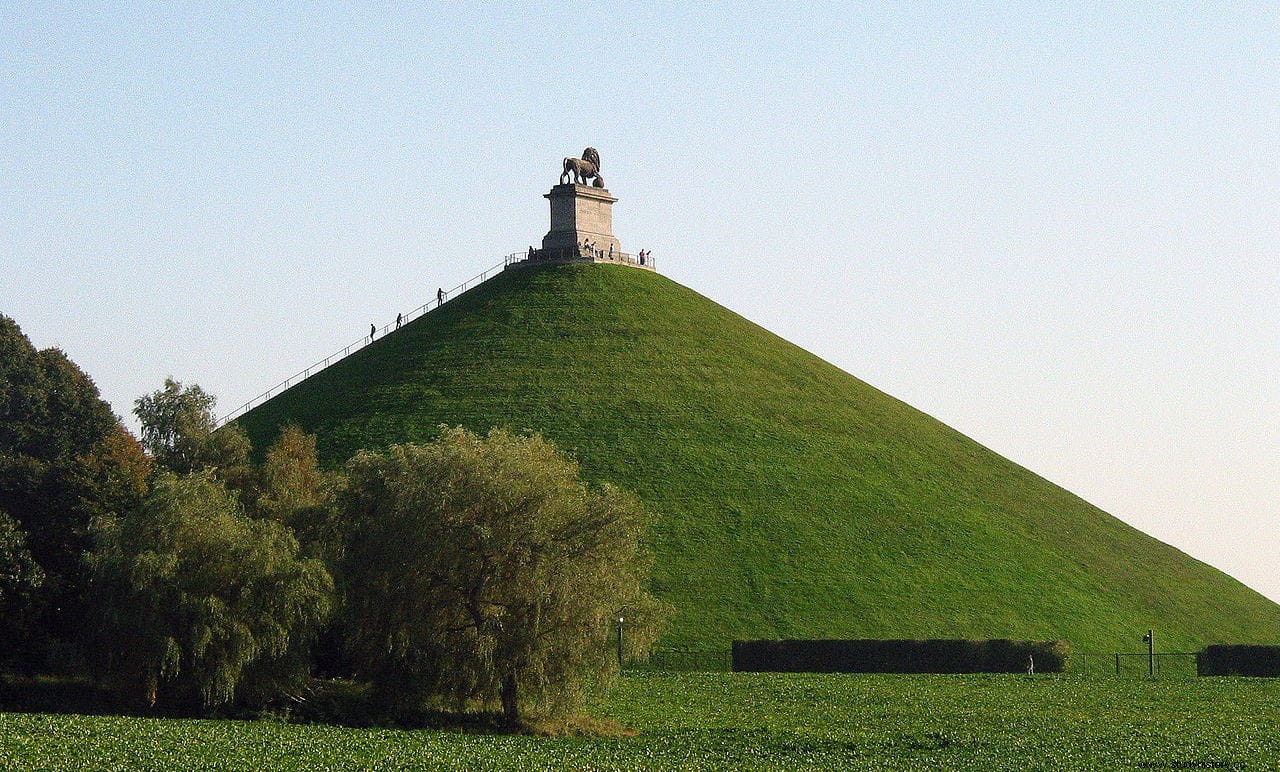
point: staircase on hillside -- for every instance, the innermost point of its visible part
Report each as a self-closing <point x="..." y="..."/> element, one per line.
<point x="581" y="232"/>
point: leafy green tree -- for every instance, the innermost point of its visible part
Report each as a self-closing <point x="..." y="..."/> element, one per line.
<point x="290" y="480"/>
<point x="483" y="570"/>
<point x="113" y="477"/>
<point x="181" y="432"/>
<point x="62" y="451"/>
<point x="48" y="407"/>
<point x="177" y="422"/>
<point x="20" y="580"/>
<point x="50" y="415"/>
<point x="200" y="603"/>
<point x="291" y="488"/>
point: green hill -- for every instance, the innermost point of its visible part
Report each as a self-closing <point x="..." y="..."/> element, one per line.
<point x="793" y="500"/>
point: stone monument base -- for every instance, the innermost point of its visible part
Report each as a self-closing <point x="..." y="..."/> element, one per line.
<point x="581" y="230"/>
<point x="580" y="214"/>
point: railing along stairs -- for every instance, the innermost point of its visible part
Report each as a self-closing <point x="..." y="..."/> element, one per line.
<point x="342" y="353"/>
<point x="512" y="259"/>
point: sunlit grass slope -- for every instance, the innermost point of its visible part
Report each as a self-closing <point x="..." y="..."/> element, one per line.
<point x="792" y="499"/>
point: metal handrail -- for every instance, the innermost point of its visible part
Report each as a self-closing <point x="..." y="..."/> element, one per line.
<point x="508" y="261"/>
<point x="316" y="367"/>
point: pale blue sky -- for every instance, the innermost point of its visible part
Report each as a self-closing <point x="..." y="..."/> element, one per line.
<point x="1054" y="228"/>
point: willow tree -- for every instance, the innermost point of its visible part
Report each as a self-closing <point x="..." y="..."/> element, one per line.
<point x="197" y="600"/>
<point x="484" y="571"/>
<point x="181" y="432"/>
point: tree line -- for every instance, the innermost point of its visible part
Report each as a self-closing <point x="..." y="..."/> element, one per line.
<point x="186" y="574"/>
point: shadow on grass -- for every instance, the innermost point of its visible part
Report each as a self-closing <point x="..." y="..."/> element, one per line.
<point x="331" y="702"/>
<point x="47" y="694"/>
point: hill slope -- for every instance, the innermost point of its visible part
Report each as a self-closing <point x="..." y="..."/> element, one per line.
<point x="794" y="500"/>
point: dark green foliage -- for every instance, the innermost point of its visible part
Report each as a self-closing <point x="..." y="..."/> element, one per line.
<point x="1238" y="659"/>
<point x="198" y="603"/>
<point x="20" y="581"/>
<point x="51" y="416"/>
<point x="64" y="459"/>
<point x="49" y="409"/>
<point x="482" y="570"/>
<point x="795" y="500"/>
<point x="20" y="575"/>
<point x="890" y="656"/>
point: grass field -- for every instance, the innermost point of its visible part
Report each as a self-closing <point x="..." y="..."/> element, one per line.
<point x="741" y="721"/>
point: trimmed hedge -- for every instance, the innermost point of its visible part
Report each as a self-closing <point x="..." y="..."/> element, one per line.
<point x="1238" y="659"/>
<point x="898" y="656"/>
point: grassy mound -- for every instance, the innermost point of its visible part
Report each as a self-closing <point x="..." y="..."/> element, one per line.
<point x="794" y="500"/>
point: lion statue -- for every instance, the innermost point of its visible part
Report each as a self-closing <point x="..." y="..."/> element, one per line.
<point x="582" y="169"/>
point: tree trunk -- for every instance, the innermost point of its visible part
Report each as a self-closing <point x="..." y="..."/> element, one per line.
<point x="510" y="705"/>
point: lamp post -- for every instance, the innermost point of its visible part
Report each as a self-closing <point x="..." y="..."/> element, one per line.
<point x="620" y="622"/>
<point x="1150" y="640"/>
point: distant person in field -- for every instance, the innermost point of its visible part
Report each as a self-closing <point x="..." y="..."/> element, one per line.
<point x="399" y="319"/>
<point x="373" y="330"/>
<point x="1031" y="665"/>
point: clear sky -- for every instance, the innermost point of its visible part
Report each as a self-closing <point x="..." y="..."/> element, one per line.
<point x="1053" y="226"/>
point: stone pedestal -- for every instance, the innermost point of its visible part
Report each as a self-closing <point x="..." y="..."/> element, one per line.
<point x="579" y="213"/>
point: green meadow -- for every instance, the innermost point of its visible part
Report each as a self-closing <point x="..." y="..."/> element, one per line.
<point x="739" y="721"/>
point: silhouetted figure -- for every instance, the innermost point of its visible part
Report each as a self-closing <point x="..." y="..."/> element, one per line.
<point x="440" y="296"/>
<point x="373" y="330"/>
<point x="530" y="251"/>
<point x="399" y="319"/>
